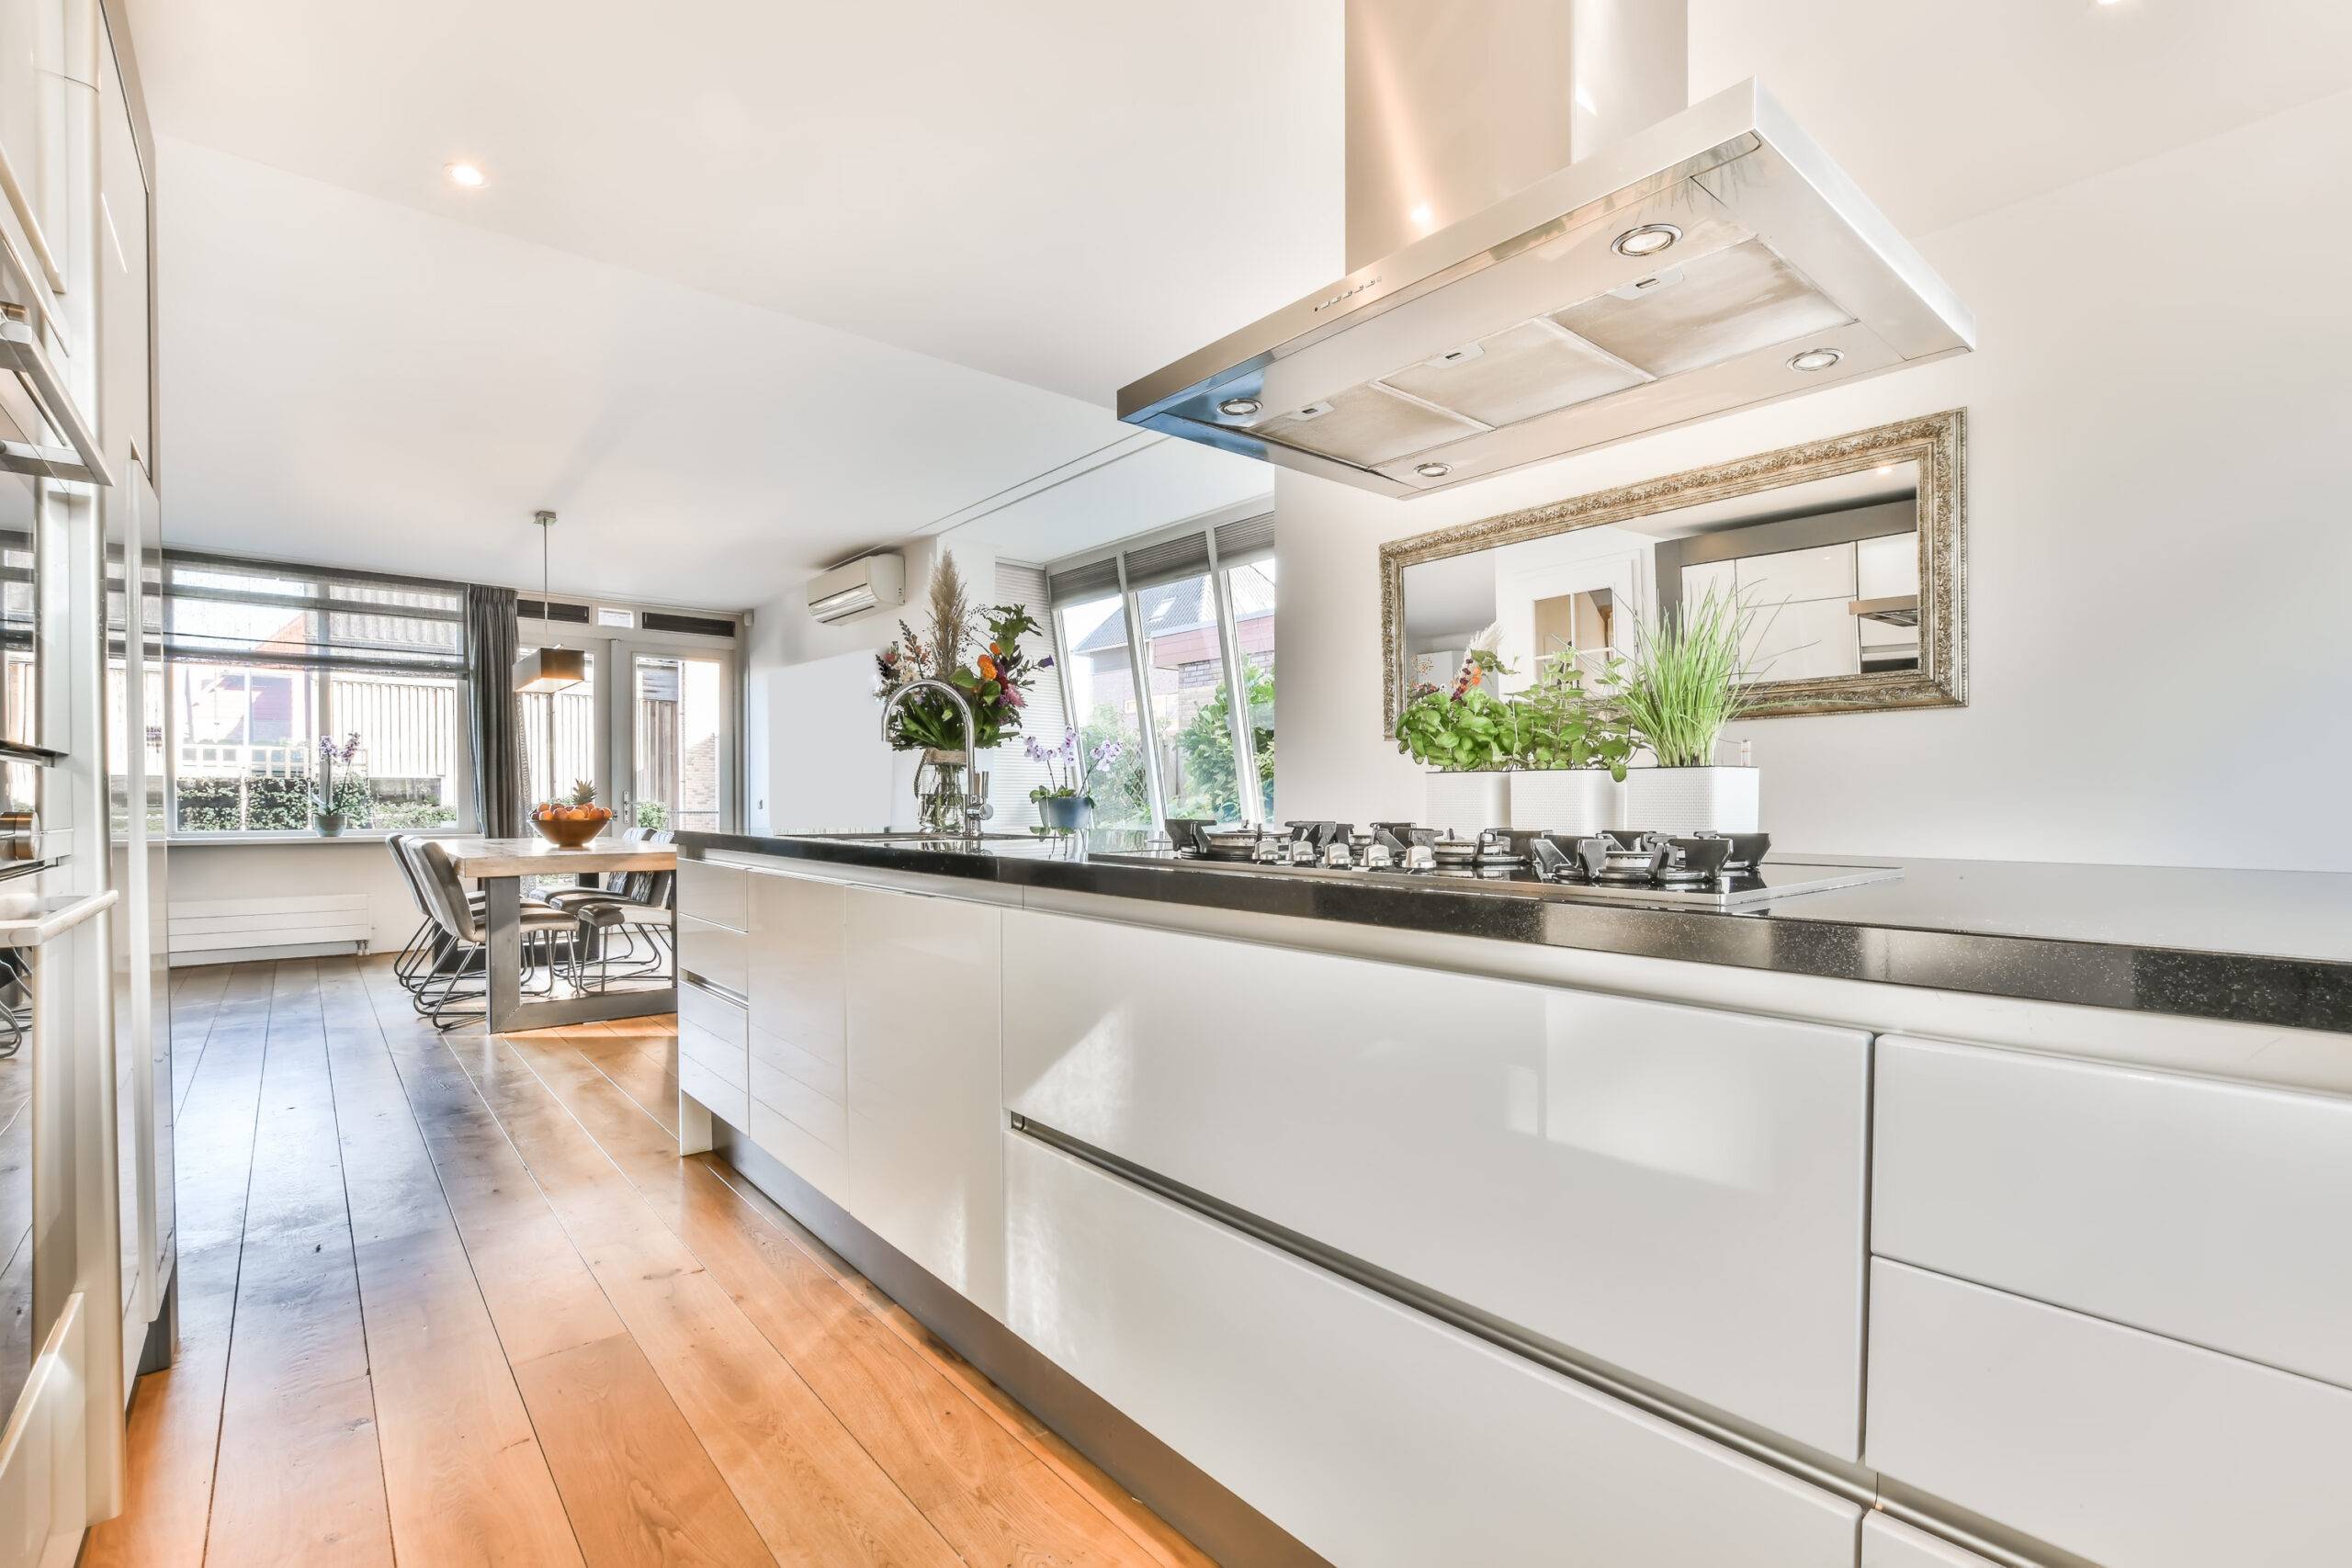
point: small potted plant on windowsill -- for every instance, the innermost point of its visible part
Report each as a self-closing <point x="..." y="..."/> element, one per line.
<point x="1688" y="680"/>
<point x="1469" y="736"/>
<point x="1065" y="802"/>
<point x="1574" y="742"/>
<point x="340" y="787"/>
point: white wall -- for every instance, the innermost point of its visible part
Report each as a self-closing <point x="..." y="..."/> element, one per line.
<point x="2157" y="410"/>
<point x="813" y="756"/>
<point x="201" y="872"/>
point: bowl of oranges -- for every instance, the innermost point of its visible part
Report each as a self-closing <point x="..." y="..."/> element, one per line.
<point x="572" y="824"/>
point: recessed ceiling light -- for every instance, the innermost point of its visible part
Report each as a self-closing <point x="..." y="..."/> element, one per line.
<point x="468" y="174"/>
<point x="1814" y="359"/>
<point x="1434" y="470"/>
<point x="1240" y="408"/>
<point x="1646" y="240"/>
<point x="1423" y="219"/>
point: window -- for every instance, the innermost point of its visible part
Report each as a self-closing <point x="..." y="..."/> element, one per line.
<point x="559" y="737"/>
<point x="1155" y="637"/>
<point x="247" y="756"/>
<point x="1250" y="588"/>
<point x="1098" y="674"/>
<point x="289" y="685"/>
<point x="674" y="738"/>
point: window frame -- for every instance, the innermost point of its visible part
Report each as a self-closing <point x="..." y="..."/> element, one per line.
<point x="1248" y="783"/>
<point x="319" y="607"/>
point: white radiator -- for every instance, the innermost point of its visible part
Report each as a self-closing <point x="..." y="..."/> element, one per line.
<point x="219" y="930"/>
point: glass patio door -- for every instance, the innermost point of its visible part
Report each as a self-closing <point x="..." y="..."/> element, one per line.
<point x="673" y="738"/>
<point x="652" y="728"/>
<point x="564" y="737"/>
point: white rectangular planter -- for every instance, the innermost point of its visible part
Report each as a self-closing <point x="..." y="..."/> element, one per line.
<point x="1467" y="803"/>
<point x="1566" y="800"/>
<point x="1692" y="800"/>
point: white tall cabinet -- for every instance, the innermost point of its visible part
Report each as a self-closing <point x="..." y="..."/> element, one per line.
<point x="87" y="1224"/>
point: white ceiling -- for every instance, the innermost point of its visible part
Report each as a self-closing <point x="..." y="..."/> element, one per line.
<point x="1941" y="111"/>
<point x="356" y="383"/>
<point x="1066" y="192"/>
<point x="364" y="364"/>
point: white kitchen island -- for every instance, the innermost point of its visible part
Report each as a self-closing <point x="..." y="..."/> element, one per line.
<point x="1395" y="1246"/>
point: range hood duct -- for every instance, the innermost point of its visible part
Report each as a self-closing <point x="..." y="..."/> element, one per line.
<point x="1548" y="253"/>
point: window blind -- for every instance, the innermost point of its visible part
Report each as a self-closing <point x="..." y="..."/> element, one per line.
<point x="1014" y="775"/>
<point x="1249" y="539"/>
<point x="1092" y="581"/>
<point x="223" y="611"/>
<point x="1170" y="560"/>
<point x="1239" y="542"/>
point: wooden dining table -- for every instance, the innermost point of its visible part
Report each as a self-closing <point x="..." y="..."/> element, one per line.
<point x="499" y="865"/>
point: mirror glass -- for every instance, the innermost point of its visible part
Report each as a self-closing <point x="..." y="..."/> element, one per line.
<point x="1826" y="557"/>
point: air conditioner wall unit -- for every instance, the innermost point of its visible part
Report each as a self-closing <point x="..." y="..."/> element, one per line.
<point x="877" y="582"/>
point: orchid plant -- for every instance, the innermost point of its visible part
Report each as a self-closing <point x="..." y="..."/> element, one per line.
<point x="338" y="778"/>
<point x="1069" y="772"/>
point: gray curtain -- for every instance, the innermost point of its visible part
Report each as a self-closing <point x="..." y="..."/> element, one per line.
<point x="497" y="716"/>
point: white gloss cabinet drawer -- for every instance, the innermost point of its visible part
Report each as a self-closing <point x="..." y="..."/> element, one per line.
<point x="722" y="1099"/>
<point x="926" y="1108"/>
<point x="712" y="1014"/>
<point x="1888" y="1543"/>
<point x="709" y="953"/>
<point x="710" y="1033"/>
<point x="2209" y="1212"/>
<point x="712" y="892"/>
<point x="1374" y="1435"/>
<point x="1676" y="1191"/>
<point x="795" y="966"/>
<point x="2132" y="1450"/>
<point x="818" y="1163"/>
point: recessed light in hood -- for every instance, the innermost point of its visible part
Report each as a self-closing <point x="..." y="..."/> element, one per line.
<point x="1554" y="320"/>
<point x="1646" y="240"/>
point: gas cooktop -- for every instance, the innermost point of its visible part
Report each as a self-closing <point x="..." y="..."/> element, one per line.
<point x="1701" y="871"/>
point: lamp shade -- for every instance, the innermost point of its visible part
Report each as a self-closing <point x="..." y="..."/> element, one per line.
<point x="550" y="669"/>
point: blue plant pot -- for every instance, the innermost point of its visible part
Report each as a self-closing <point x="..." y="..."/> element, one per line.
<point x="1065" y="813"/>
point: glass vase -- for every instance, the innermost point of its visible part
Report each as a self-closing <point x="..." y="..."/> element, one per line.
<point x="941" y="806"/>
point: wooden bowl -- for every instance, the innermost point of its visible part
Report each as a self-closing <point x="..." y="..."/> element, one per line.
<point x="572" y="832"/>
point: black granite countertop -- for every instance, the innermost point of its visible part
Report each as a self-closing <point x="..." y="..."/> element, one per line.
<point x="2249" y="946"/>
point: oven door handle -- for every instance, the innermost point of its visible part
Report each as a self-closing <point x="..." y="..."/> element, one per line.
<point x="20" y="351"/>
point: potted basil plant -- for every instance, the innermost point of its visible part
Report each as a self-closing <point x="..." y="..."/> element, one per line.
<point x="1064" y="803"/>
<point x="1688" y="680"/>
<point x="1469" y="736"/>
<point x="1574" y="742"/>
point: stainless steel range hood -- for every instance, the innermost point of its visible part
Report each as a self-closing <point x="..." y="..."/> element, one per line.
<point x="1714" y="260"/>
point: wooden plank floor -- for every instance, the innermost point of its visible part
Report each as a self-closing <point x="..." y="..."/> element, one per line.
<point x="455" y="1300"/>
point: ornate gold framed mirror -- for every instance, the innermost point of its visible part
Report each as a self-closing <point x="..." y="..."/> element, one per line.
<point x="1850" y="554"/>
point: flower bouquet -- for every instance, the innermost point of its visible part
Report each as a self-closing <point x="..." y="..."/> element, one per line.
<point x="995" y="682"/>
